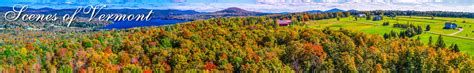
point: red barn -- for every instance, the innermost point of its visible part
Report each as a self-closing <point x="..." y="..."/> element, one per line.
<point x="284" y="22"/>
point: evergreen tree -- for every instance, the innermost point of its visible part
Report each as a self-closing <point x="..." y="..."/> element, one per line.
<point x="356" y="18"/>
<point x="386" y="23"/>
<point x="456" y="48"/>
<point x="418" y="38"/>
<point x="402" y="34"/>
<point x="386" y="36"/>
<point x="410" y="32"/>
<point x="393" y="34"/>
<point x="451" y="47"/>
<point x="419" y="30"/>
<point x="430" y="40"/>
<point x="368" y="17"/>
<point x="440" y="43"/>
<point x="428" y="28"/>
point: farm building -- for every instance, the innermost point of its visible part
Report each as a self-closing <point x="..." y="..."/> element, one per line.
<point x="449" y="25"/>
<point x="460" y="29"/>
<point x="377" y="18"/>
<point x="284" y="22"/>
<point x="361" y="15"/>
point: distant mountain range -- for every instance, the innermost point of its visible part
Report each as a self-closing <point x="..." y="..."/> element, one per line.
<point x="330" y="10"/>
<point x="234" y="11"/>
<point x="167" y="14"/>
<point x="335" y="10"/>
<point x="229" y="12"/>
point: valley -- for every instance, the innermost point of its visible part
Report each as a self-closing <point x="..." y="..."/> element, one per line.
<point x="463" y="38"/>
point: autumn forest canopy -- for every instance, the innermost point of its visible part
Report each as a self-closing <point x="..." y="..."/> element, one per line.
<point x="234" y="44"/>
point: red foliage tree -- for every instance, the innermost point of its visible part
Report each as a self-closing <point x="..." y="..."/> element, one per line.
<point x="210" y="66"/>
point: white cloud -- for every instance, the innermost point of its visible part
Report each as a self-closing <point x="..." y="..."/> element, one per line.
<point x="407" y="1"/>
<point x="291" y="7"/>
<point x="283" y="7"/>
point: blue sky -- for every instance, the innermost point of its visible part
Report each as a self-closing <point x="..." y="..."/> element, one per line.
<point x="243" y="1"/>
<point x="260" y="5"/>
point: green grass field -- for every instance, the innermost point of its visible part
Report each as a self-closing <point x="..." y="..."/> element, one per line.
<point x="375" y="27"/>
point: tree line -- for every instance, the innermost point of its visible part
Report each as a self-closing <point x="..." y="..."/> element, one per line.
<point x="235" y="44"/>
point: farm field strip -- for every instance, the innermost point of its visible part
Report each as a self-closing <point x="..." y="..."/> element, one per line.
<point x="451" y="35"/>
<point x="464" y="38"/>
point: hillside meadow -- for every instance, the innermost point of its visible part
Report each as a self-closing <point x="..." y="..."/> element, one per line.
<point x="436" y="24"/>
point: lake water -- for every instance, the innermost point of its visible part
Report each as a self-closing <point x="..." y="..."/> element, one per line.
<point x="132" y="24"/>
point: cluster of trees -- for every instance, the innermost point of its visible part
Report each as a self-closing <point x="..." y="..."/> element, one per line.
<point x="439" y="44"/>
<point x="410" y="31"/>
<point x="386" y="23"/>
<point x="250" y="44"/>
<point x="310" y="16"/>
<point x="426" y="13"/>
